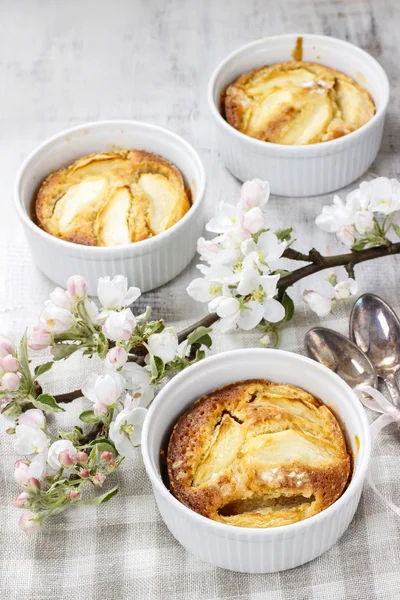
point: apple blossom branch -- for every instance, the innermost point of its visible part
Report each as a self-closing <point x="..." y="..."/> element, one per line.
<point x="318" y="263"/>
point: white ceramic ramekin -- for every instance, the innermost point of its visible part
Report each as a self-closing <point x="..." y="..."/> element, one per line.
<point x="147" y="264"/>
<point x="301" y="170"/>
<point x="256" y="550"/>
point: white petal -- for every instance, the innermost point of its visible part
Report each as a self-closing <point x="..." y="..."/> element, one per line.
<point x="132" y="294"/>
<point x="249" y="281"/>
<point x="227" y="307"/>
<point x="199" y="289"/>
<point x="228" y="323"/>
<point x="273" y="311"/>
<point x="251" y="316"/>
<point x="87" y="387"/>
<point x="269" y="283"/>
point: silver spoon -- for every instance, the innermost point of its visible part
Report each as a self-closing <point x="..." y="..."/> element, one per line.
<point x="375" y="328"/>
<point x="339" y="354"/>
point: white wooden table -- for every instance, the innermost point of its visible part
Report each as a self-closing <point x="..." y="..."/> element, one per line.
<point x="64" y="63"/>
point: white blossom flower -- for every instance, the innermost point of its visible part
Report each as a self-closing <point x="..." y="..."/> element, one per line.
<point x="322" y="305"/>
<point x="164" y="344"/>
<point x="138" y="383"/>
<point x="116" y="358"/>
<point x="383" y="195"/>
<point x="61" y="298"/>
<point x="56" y="319"/>
<point x="345" y="289"/>
<point x="77" y="287"/>
<point x="346" y="235"/>
<point x="253" y="221"/>
<point x="337" y="215"/>
<point x="119" y="325"/>
<point x="29" y="522"/>
<point x="254" y="193"/>
<point x="30" y="440"/>
<point x="56" y="449"/>
<point x="266" y="250"/>
<point x="24" y="469"/>
<point x="33" y="418"/>
<point x="212" y="285"/>
<point x="38" y="337"/>
<point x="364" y="221"/>
<point x="126" y="430"/>
<point x="104" y="388"/>
<point x="114" y="293"/>
<point x="225" y="219"/>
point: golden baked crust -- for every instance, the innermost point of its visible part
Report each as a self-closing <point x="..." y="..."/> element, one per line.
<point x="258" y="454"/>
<point x="297" y="103"/>
<point x="112" y="198"/>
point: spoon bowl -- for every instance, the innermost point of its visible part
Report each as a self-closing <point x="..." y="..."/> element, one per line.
<point x="375" y="328"/>
<point x="342" y="356"/>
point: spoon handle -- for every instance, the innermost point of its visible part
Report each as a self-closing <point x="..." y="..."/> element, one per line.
<point x="393" y="388"/>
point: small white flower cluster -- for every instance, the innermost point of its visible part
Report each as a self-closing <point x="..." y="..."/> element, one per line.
<point x="355" y="220"/>
<point x="321" y="304"/>
<point x="55" y="468"/>
<point x="240" y="284"/>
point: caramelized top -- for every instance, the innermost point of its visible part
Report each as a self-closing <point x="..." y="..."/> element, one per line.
<point x="112" y="198"/>
<point x="258" y="454"/>
<point x="297" y="103"/>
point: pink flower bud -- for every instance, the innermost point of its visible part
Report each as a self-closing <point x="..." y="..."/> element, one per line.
<point x="84" y="473"/>
<point x="74" y="495"/>
<point x="22" y="500"/>
<point x="21" y="471"/>
<point x="10" y="382"/>
<point x="39" y="338"/>
<point x="116" y="357"/>
<point x="82" y="457"/>
<point x="100" y="409"/>
<point x="32" y="485"/>
<point x="66" y="459"/>
<point x="29" y="522"/>
<point x="77" y="286"/>
<point x="112" y="465"/>
<point x="106" y="456"/>
<point x="6" y="346"/>
<point x="9" y="363"/>
<point x="98" y="479"/>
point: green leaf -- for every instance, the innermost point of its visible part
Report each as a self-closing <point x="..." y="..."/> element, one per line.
<point x="100" y="442"/>
<point x="47" y="403"/>
<point x="40" y="369"/>
<point x="284" y="235"/>
<point x="288" y="305"/>
<point x="101" y="345"/>
<point x="157" y="367"/>
<point x="200" y="335"/>
<point x="359" y="245"/>
<point x="103" y="498"/>
<point x="27" y="381"/>
<point x="74" y="436"/>
<point x="281" y="272"/>
<point x="396" y="229"/>
<point x="200" y="354"/>
<point x="61" y="351"/>
<point x="88" y="416"/>
<point x="101" y="445"/>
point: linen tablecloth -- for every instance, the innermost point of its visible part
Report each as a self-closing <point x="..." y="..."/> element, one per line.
<point x="62" y="64"/>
